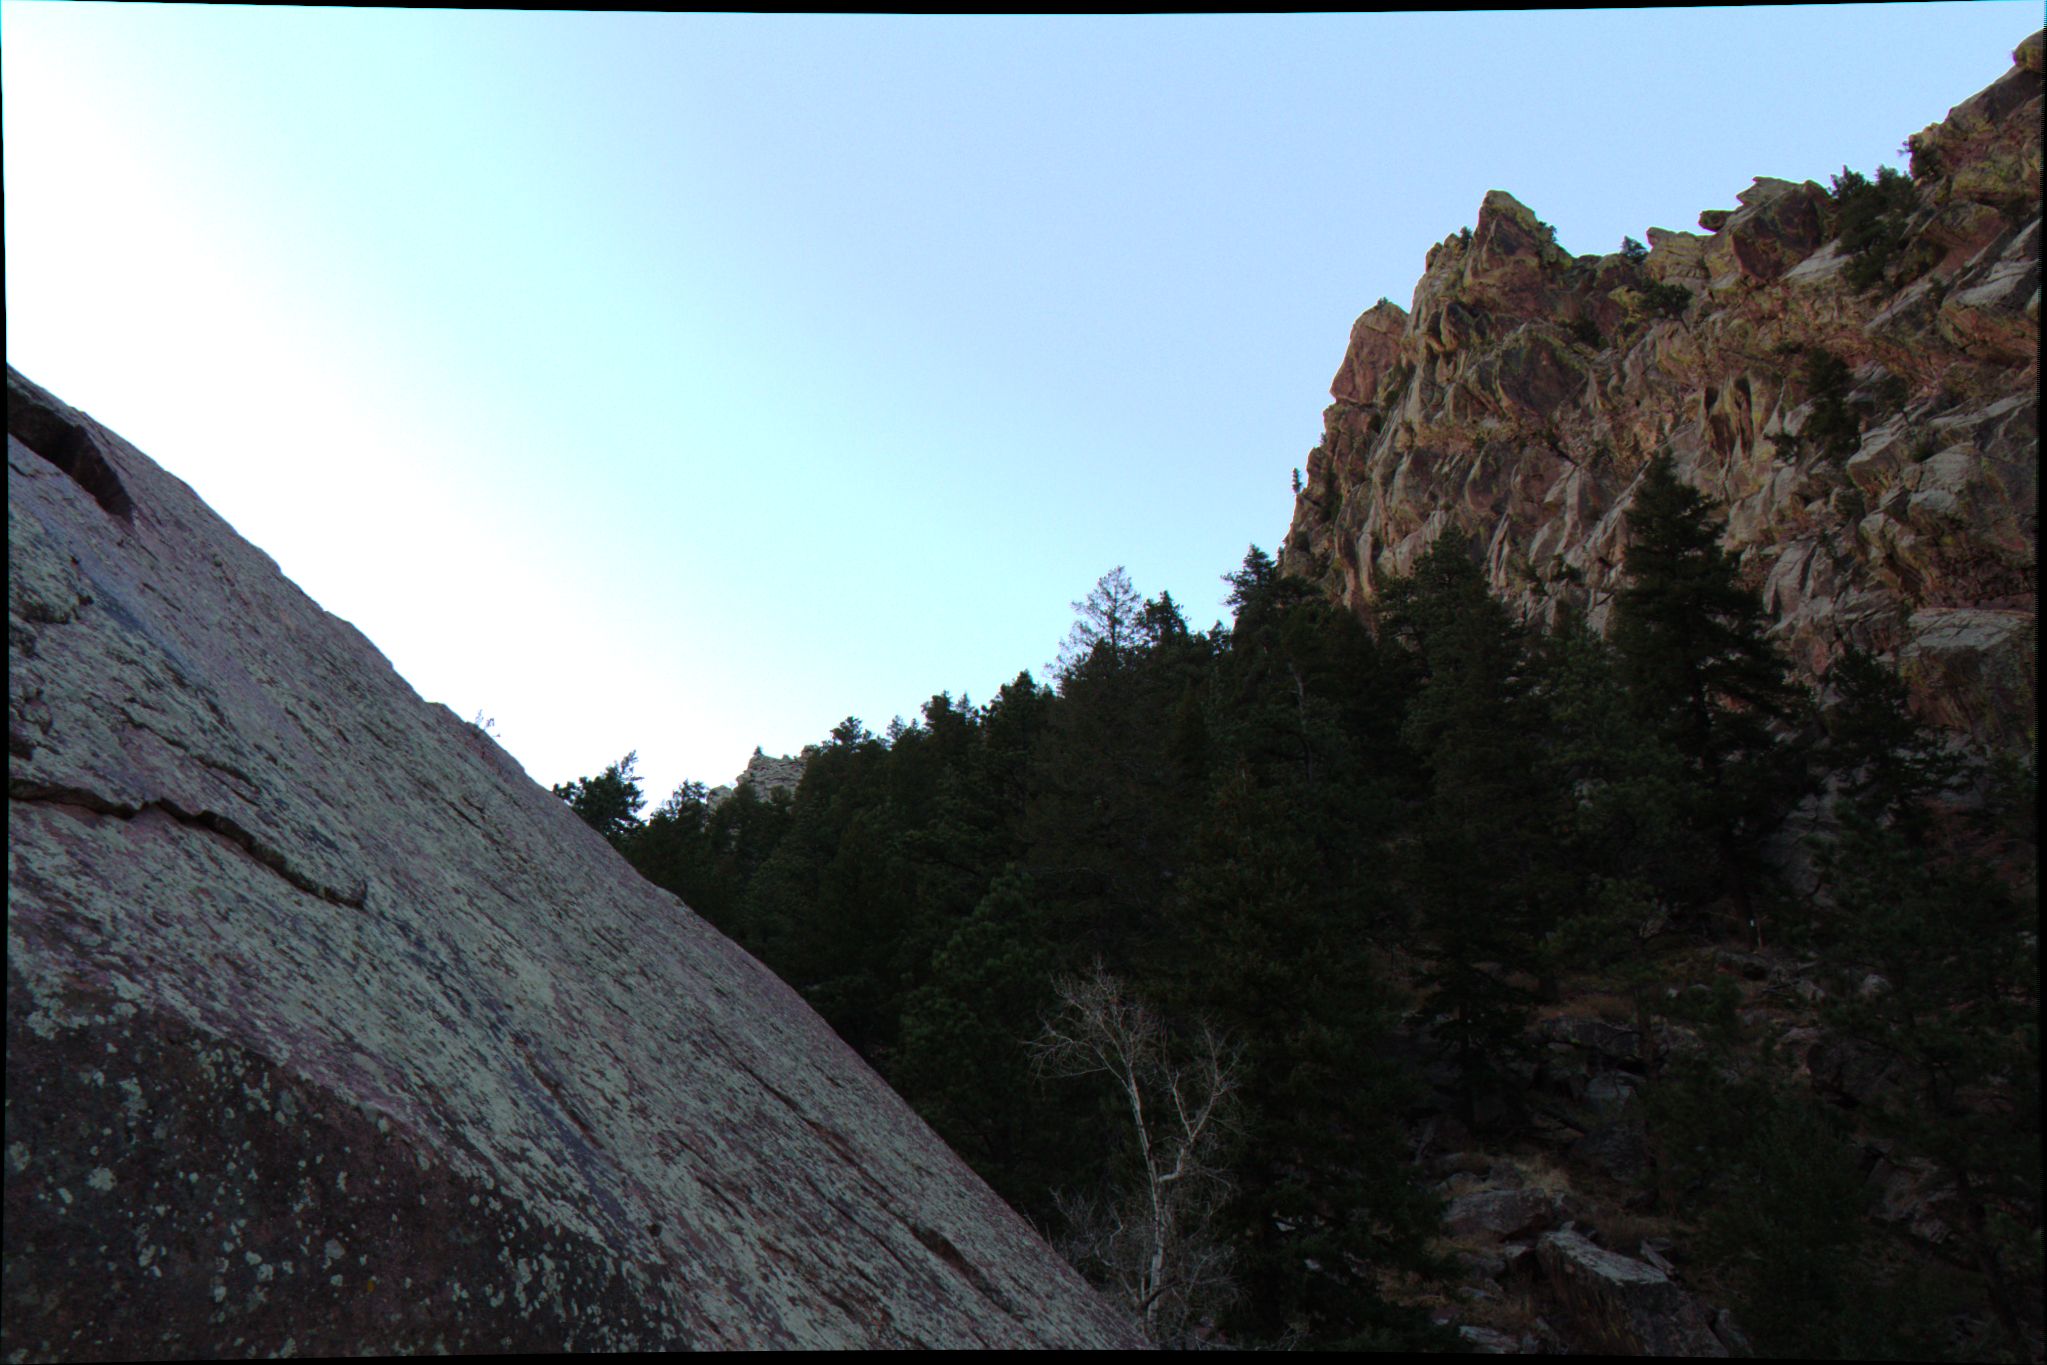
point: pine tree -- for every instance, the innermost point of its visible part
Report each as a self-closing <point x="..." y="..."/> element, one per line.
<point x="962" y="1061"/>
<point x="609" y="802"/>
<point x="1271" y="919"/>
<point x="1109" y="620"/>
<point x="1480" y="861"/>
<point x="1324" y="1198"/>
<point x="1933" y="941"/>
<point x="1777" y="1188"/>
<point x="1700" y="669"/>
<point x="1108" y="815"/>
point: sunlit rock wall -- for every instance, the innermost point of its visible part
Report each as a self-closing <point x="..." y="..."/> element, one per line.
<point x="1519" y="399"/>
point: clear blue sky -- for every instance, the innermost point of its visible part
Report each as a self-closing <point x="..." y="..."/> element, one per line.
<point x="686" y="383"/>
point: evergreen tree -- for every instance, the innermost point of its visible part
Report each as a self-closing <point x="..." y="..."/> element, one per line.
<point x="1271" y="921"/>
<point x="1480" y="860"/>
<point x="609" y="802"/>
<point x="1890" y="769"/>
<point x="1324" y="1198"/>
<point x="1110" y="618"/>
<point x="1627" y="839"/>
<point x="1107" y="823"/>
<point x="1777" y="1189"/>
<point x="1700" y="669"/>
<point x="825" y="908"/>
<point x="1933" y="944"/>
<point x="673" y="851"/>
<point x="962" y="1060"/>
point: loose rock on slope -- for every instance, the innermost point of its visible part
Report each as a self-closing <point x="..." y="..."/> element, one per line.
<point x="329" y="1031"/>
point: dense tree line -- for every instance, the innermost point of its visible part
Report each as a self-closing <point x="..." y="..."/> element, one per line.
<point x="1330" y="845"/>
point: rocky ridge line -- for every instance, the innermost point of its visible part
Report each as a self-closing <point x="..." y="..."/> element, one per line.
<point x="1519" y="399"/>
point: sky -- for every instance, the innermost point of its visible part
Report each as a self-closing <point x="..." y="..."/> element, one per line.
<point x="685" y="383"/>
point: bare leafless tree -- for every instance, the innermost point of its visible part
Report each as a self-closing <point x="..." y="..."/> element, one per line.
<point x="1153" y="1243"/>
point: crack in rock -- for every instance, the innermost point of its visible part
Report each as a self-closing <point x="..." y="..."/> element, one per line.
<point x="57" y="434"/>
<point x="19" y="789"/>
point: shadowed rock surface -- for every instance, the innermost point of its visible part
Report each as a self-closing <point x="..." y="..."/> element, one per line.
<point x="1520" y="398"/>
<point x="329" y="1031"/>
<point x="1623" y="1306"/>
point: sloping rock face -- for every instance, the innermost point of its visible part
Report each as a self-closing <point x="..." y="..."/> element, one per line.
<point x="1519" y="400"/>
<point x="329" y="1031"/>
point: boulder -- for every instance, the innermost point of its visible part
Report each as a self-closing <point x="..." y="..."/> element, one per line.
<point x="329" y="1031"/>
<point x="1913" y="1192"/>
<point x="1596" y="1036"/>
<point x="1993" y="310"/>
<point x="1973" y="667"/>
<point x="1512" y="255"/>
<point x="1849" y="1069"/>
<point x="767" y="776"/>
<point x="1498" y="1213"/>
<point x="1778" y="225"/>
<point x="1485" y="1341"/>
<point x="1618" y="1305"/>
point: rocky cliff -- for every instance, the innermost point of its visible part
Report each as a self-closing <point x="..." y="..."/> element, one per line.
<point x="1852" y="380"/>
<point x="330" y="1032"/>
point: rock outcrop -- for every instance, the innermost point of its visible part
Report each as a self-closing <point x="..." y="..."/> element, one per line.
<point x="767" y="775"/>
<point x="1863" y="413"/>
<point x="1619" y="1305"/>
<point x="330" y="1032"/>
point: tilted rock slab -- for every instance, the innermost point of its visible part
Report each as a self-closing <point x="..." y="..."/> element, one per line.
<point x="1618" y="1305"/>
<point x="330" y="1032"/>
<point x="1518" y="401"/>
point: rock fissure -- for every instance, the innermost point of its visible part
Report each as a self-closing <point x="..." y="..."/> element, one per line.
<point x="57" y="435"/>
<point x="212" y="821"/>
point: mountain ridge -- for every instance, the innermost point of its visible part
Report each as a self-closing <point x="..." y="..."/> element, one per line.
<point x="1850" y="377"/>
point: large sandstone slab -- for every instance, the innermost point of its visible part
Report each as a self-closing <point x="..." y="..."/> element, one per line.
<point x="329" y="1031"/>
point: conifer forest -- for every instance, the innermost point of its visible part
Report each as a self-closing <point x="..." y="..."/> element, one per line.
<point x="1202" y="948"/>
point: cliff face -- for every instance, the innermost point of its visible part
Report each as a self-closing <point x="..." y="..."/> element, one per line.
<point x="329" y="1031"/>
<point x="1855" y="392"/>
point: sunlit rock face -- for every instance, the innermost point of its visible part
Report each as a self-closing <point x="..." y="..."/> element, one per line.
<point x="1520" y="398"/>
<point x="330" y="1032"/>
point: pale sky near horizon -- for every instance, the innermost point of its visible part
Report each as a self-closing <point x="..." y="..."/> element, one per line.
<point x="683" y="383"/>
